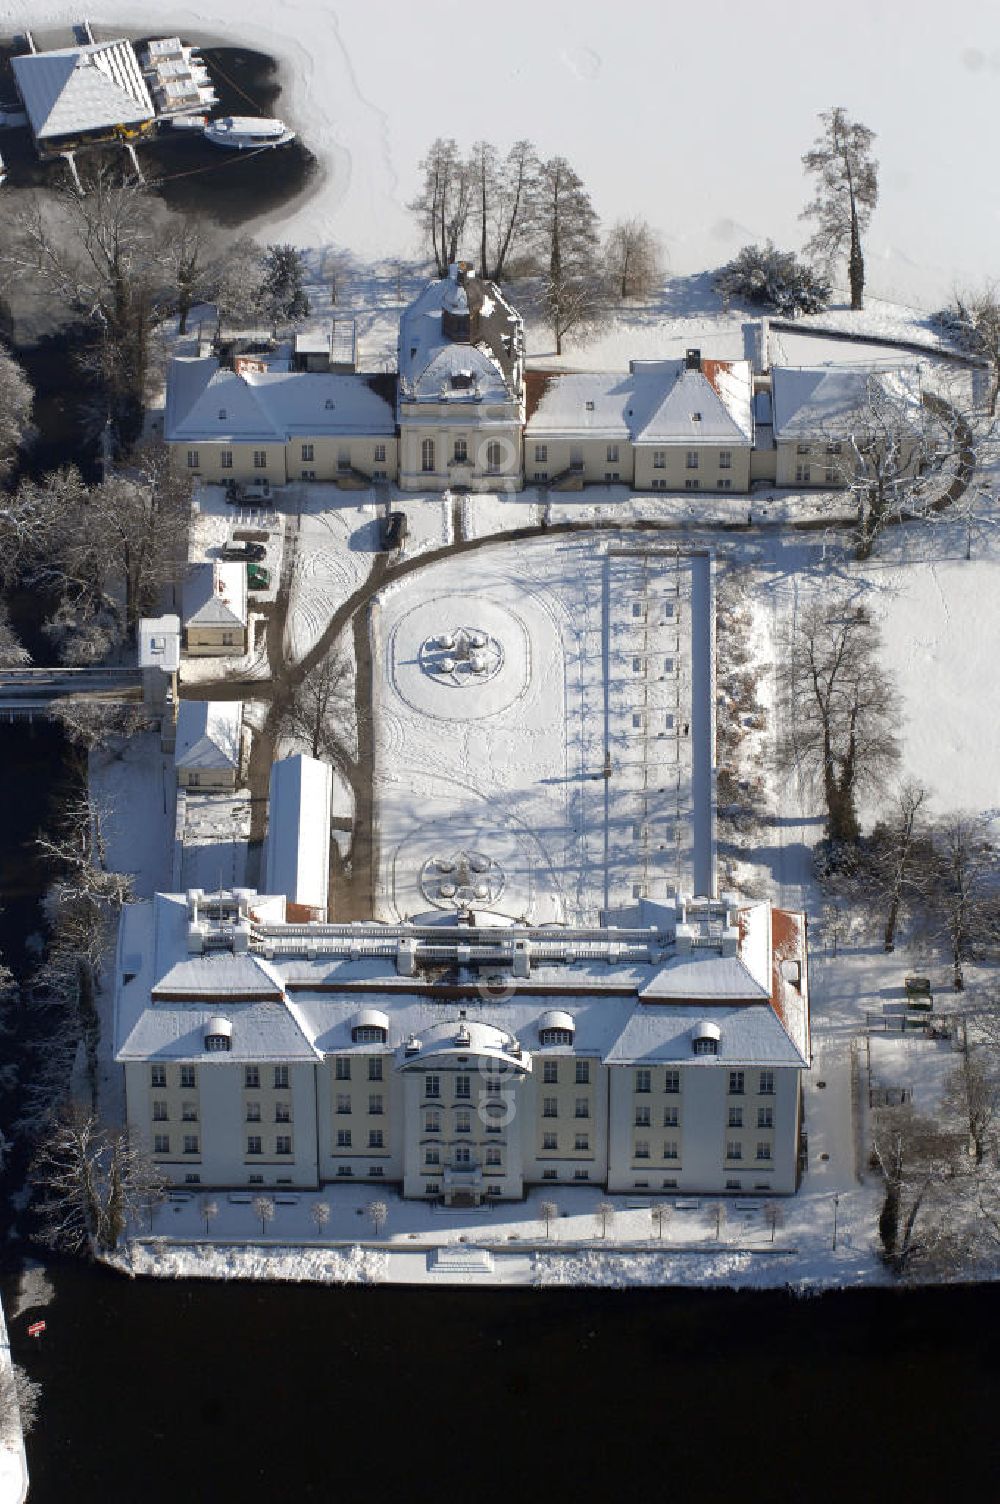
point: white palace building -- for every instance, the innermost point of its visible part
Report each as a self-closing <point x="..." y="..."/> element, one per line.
<point x="661" y="1051"/>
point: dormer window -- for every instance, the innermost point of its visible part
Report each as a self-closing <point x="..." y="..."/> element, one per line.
<point x="556" y="1028"/>
<point x="705" y="1038"/>
<point x="696" y="417"/>
<point x="590" y="407"/>
<point x="556" y="1036"/>
<point x="370" y="1027"/>
<point x="222" y="414"/>
<point x="218" y="1035"/>
<point x="329" y="404"/>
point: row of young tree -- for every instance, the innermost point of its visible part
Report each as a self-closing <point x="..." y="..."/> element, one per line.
<point x="521" y="216"/>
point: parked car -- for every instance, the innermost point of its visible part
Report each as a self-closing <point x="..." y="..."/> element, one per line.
<point x="394" y="530"/>
<point x="242" y="553"/>
<point x="258" y="578"/>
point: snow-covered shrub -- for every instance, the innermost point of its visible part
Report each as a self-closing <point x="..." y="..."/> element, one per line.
<point x="773" y="279"/>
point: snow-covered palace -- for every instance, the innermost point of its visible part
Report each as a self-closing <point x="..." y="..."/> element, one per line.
<point x="659" y="1052"/>
<point x="463" y="412"/>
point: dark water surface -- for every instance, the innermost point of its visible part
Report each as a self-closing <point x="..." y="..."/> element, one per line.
<point x="160" y="1391"/>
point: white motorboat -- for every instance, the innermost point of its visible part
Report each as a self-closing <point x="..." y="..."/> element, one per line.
<point x="247" y="133"/>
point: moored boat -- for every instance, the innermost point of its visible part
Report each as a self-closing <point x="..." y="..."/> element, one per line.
<point x="247" y="132"/>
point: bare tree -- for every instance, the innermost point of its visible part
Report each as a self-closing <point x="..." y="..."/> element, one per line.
<point x="209" y="1210"/>
<point x="973" y="318"/>
<point x="319" y="710"/>
<point x="16" y="398"/>
<point x="961" y="888"/>
<point x="717" y="1211"/>
<point x="195" y="265"/>
<point x="846" y="192"/>
<point x="568" y="248"/>
<point x="86" y="543"/>
<point x="264" y="1209"/>
<point x="378" y="1214"/>
<point x="103" y="255"/>
<point x="660" y="1215"/>
<point x="914" y="1158"/>
<point x="319" y="1215"/>
<point x="12" y="653"/>
<point x="239" y="293"/>
<point x="548" y="1211"/>
<point x="513" y="209"/>
<point x="20" y="1397"/>
<point x="774" y="1217"/>
<point x="604" y="1216"/>
<point x="974" y="1090"/>
<point x="839" y="707"/>
<point x="92" y="1181"/>
<point x="444" y="202"/>
<point x="633" y="258"/>
<point x="897" y="845"/>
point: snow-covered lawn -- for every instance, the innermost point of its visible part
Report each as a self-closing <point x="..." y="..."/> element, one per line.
<point x="335" y="540"/>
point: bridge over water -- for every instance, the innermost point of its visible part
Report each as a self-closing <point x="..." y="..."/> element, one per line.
<point x="37" y="691"/>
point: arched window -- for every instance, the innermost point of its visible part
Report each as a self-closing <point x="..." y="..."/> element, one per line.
<point x="427" y="456"/>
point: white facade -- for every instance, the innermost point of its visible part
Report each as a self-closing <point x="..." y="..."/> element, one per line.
<point x="663" y="1054"/>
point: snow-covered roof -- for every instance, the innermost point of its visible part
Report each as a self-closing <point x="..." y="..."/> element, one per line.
<point x="435" y="368"/>
<point x="808" y="401"/>
<point x="160" y="642"/>
<point x="208" y="734"/>
<point x="206" y="402"/>
<point x="298" y="835"/>
<point x="215" y="594"/>
<point x="76" y="90"/>
<point x="657" y="402"/>
<point x="300" y="1006"/>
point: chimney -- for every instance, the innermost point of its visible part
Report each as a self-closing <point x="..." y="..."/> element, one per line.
<point x="692" y="360"/>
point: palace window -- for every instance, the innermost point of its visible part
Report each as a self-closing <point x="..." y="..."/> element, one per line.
<point x="672" y="1081"/>
<point x="307" y="452"/>
<point x="461" y="452"/>
<point x="670" y="1118"/>
<point x="161" y="1143"/>
<point x="612" y="454"/>
<point x="643" y="1080"/>
<point x="736" y="1117"/>
<point x="157" y="1075"/>
<point x="253" y="1112"/>
<point x="190" y="1143"/>
<point x="765" y="1117"/>
<point x="192" y="459"/>
<point x="188" y="1078"/>
<point x="583" y="1072"/>
<point x="463" y="1121"/>
<point x="493" y="1156"/>
<point x="251" y="1077"/>
<point x="766" y="1085"/>
<point x="550" y="1141"/>
<point x="427" y="456"/>
<point x="342" y="1068"/>
<point x="725" y="459"/>
<point x="375" y="1105"/>
<point x="343" y="1104"/>
<point x="432" y="1086"/>
<point x="432" y="1122"/>
<point x="582" y="1109"/>
<point x="378" y="454"/>
<point x="541" y="454"/>
<point x="550" y="1107"/>
<point x="734" y="1149"/>
<point x="659" y="459"/>
<point x="642" y="1148"/>
<point x="432" y="1156"/>
<point x="582" y="1142"/>
<point x="375" y="1067"/>
<point x="463" y="1087"/>
<point x="550" y="1072"/>
<point x="555" y="1036"/>
<point x="283" y="1143"/>
<point x="375" y="1139"/>
<point x="253" y="1143"/>
<point x="642" y="1116"/>
<point x="343" y="1138"/>
<point x="670" y="1149"/>
<point x="260" y="459"/>
<point x="160" y="1113"/>
<point x="736" y="1083"/>
<point x="281" y="1078"/>
<point x="691" y="460"/>
<point x="763" y="1150"/>
<point x="282" y="1112"/>
<point x="494" y="457"/>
